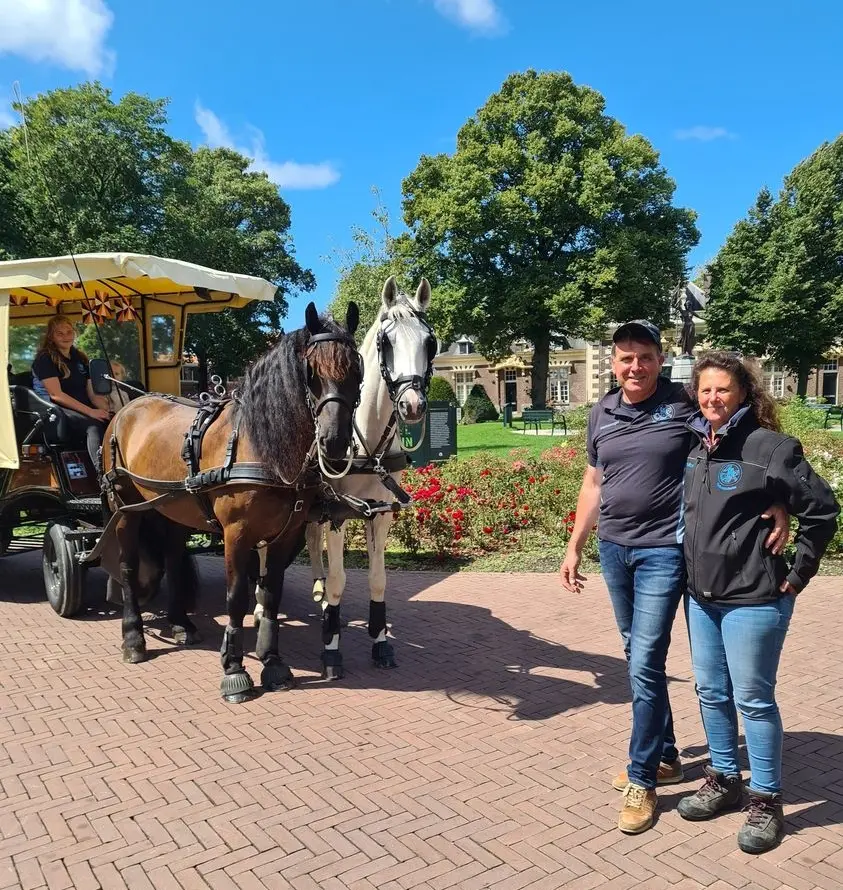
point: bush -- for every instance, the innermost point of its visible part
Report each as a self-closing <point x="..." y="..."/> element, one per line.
<point x="441" y="391"/>
<point x="797" y="418"/>
<point x="478" y="406"/>
<point x="484" y="503"/>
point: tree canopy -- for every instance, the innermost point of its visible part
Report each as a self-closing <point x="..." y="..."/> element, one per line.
<point x="777" y="282"/>
<point x="547" y="222"/>
<point x="91" y="173"/>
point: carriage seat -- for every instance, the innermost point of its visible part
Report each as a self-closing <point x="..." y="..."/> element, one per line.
<point x="29" y="408"/>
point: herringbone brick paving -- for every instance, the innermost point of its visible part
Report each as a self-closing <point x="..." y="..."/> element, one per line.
<point x="483" y="761"/>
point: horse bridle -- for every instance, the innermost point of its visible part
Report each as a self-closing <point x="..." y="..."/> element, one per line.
<point x="316" y="409"/>
<point x="397" y="386"/>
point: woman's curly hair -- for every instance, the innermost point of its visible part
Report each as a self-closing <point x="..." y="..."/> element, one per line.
<point x="762" y="404"/>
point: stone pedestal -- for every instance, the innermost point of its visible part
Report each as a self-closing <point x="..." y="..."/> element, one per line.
<point x="682" y="367"/>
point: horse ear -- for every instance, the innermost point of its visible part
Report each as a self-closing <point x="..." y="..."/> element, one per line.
<point x="352" y="317"/>
<point x="389" y="294"/>
<point x="311" y="318"/>
<point x="423" y="295"/>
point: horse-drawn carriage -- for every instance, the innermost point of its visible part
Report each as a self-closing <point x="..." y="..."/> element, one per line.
<point x="141" y="305"/>
<point x="286" y="455"/>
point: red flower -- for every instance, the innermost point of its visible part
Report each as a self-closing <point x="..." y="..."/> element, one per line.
<point x="488" y="529"/>
<point x="458" y="515"/>
<point x="457" y="536"/>
<point x="532" y="480"/>
<point x="524" y="521"/>
<point x="556" y="490"/>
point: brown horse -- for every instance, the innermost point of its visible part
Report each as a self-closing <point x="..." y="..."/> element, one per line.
<point x="296" y="407"/>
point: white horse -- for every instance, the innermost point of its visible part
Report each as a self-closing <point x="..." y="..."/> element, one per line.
<point x="398" y="352"/>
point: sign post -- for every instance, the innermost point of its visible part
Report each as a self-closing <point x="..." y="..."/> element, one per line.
<point x="440" y="435"/>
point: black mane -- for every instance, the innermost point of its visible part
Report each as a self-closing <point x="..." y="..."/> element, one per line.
<point x="273" y="409"/>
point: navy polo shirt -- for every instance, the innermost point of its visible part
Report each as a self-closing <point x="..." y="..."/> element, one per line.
<point x="642" y="450"/>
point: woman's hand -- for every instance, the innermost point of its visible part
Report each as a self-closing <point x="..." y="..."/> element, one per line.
<point x="778" y="537"/>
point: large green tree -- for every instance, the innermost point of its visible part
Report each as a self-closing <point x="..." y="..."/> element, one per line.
<point x="777" y="283"/>
<point x="91" y="173"/>
<point x="548" y="221"/>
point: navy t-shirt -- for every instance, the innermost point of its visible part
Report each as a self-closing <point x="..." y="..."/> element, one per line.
<point x="642" y="450"/>
<point x="75" y="386"/>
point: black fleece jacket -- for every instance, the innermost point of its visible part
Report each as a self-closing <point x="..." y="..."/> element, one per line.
<point x="727" y="488"/>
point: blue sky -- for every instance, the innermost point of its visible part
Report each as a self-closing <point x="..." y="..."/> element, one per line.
<point x="333" y="97"/>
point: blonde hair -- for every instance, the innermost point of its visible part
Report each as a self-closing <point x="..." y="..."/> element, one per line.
<point x="48" y="345"/>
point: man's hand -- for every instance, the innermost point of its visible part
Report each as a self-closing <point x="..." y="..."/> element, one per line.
<point x="780" y="533"/>
<point x="569" y="574"/>
<point x="788" y="588"/>
<point x="99" y="414"/>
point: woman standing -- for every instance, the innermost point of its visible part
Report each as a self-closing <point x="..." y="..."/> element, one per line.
<point x="62" y="371"/>
<point x="741" y="594"/>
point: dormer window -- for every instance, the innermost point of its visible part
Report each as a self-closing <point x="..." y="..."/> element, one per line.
<point x="465" y="346"/>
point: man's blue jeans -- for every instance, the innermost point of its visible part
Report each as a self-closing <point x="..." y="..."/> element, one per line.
<point x="646" y="585"/>
<point x="735" y="650"/>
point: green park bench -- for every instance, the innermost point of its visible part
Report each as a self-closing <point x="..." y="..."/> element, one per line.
<point x="832" y="414"/>
<point x="535" y="417"/>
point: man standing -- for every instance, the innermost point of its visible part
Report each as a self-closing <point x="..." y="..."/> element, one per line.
<point x="637" y="445"/>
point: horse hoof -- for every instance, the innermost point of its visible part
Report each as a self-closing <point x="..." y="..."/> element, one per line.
<point x="332" y="668"/>
<point x="135" y="655"/>
<point x="236" y="688"/>
<point x="383" y="656"/>
<point x="332" y="672"/>
<point x="277" y="677"/>
<point x="184" y="637"/>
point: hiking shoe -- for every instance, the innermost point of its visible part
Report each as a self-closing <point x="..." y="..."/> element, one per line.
<point x="668" y="774"/>
<point x="764" y="824"/>
<point x="639" y="805"/>
<point x="719" y="792"/>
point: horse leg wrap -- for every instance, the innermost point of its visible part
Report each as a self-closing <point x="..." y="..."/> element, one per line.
<point x="330" y="624"/>
<point x="377" y="620"/>
<point x="318" y="590"/>
<point x="383" y="655"/>
<point x="267" y="646"/>
<point x="231" y="651"/>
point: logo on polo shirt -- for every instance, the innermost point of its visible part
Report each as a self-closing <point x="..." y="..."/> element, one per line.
<point x="663" y="412"/>
<point x="729" y="477"/>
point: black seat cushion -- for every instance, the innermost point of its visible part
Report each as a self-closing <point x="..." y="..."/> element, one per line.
<point x="29" y="408"/>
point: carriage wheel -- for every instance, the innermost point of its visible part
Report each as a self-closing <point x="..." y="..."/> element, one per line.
<point x="64" y="577"/>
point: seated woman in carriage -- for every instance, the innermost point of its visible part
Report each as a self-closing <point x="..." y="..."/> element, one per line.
<point x="60" y="373"/>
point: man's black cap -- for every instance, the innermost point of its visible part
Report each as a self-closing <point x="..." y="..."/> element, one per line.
<point x="641" y="330"/>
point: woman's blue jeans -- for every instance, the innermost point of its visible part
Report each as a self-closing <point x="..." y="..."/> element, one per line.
<point x="646" y="585"/>
<point x="735" y="650"/>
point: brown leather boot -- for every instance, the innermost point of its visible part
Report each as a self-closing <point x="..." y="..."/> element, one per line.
<point x="668" y="774"/>
<point x="639" y="805"/>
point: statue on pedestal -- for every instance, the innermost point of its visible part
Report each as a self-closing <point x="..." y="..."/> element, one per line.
<point x="687" y="334"/>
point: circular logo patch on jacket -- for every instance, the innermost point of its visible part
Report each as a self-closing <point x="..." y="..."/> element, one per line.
<point x="663" y="412"/>
<point x="729" y="477"/>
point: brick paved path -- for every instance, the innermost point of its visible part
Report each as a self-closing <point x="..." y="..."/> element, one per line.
<point x="483" y="761"/>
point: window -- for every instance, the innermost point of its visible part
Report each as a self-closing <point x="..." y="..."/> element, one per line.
<point x="463" y="381"/>
<point x="163" y="329"/>
<point x="466" y="347"/>
<point x="773" y="380"/>
<point x="510" y="376"/>
<point x="558" y="389"/>
<point x="829" y="366"/>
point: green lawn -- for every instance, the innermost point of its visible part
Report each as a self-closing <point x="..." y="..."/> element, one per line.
<point x="492" y="438"/>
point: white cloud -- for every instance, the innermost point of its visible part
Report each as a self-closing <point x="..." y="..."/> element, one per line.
<point x="285" y="174"/>
<point x="702" y="133"/>
<point x="482" y="16"/>
<point x="70" y="33"/>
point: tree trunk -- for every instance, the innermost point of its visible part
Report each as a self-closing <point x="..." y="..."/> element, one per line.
<point x="541" y="360"/>
<point x="202" y="384"/>
<point x="802" y="378"/>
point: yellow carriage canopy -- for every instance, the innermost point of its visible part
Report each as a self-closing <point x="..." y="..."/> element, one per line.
<point x="149" y="291"/>
<point x="125" y="275"/>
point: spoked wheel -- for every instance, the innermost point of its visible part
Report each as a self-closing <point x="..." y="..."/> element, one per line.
<point x="64" y="577"/>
